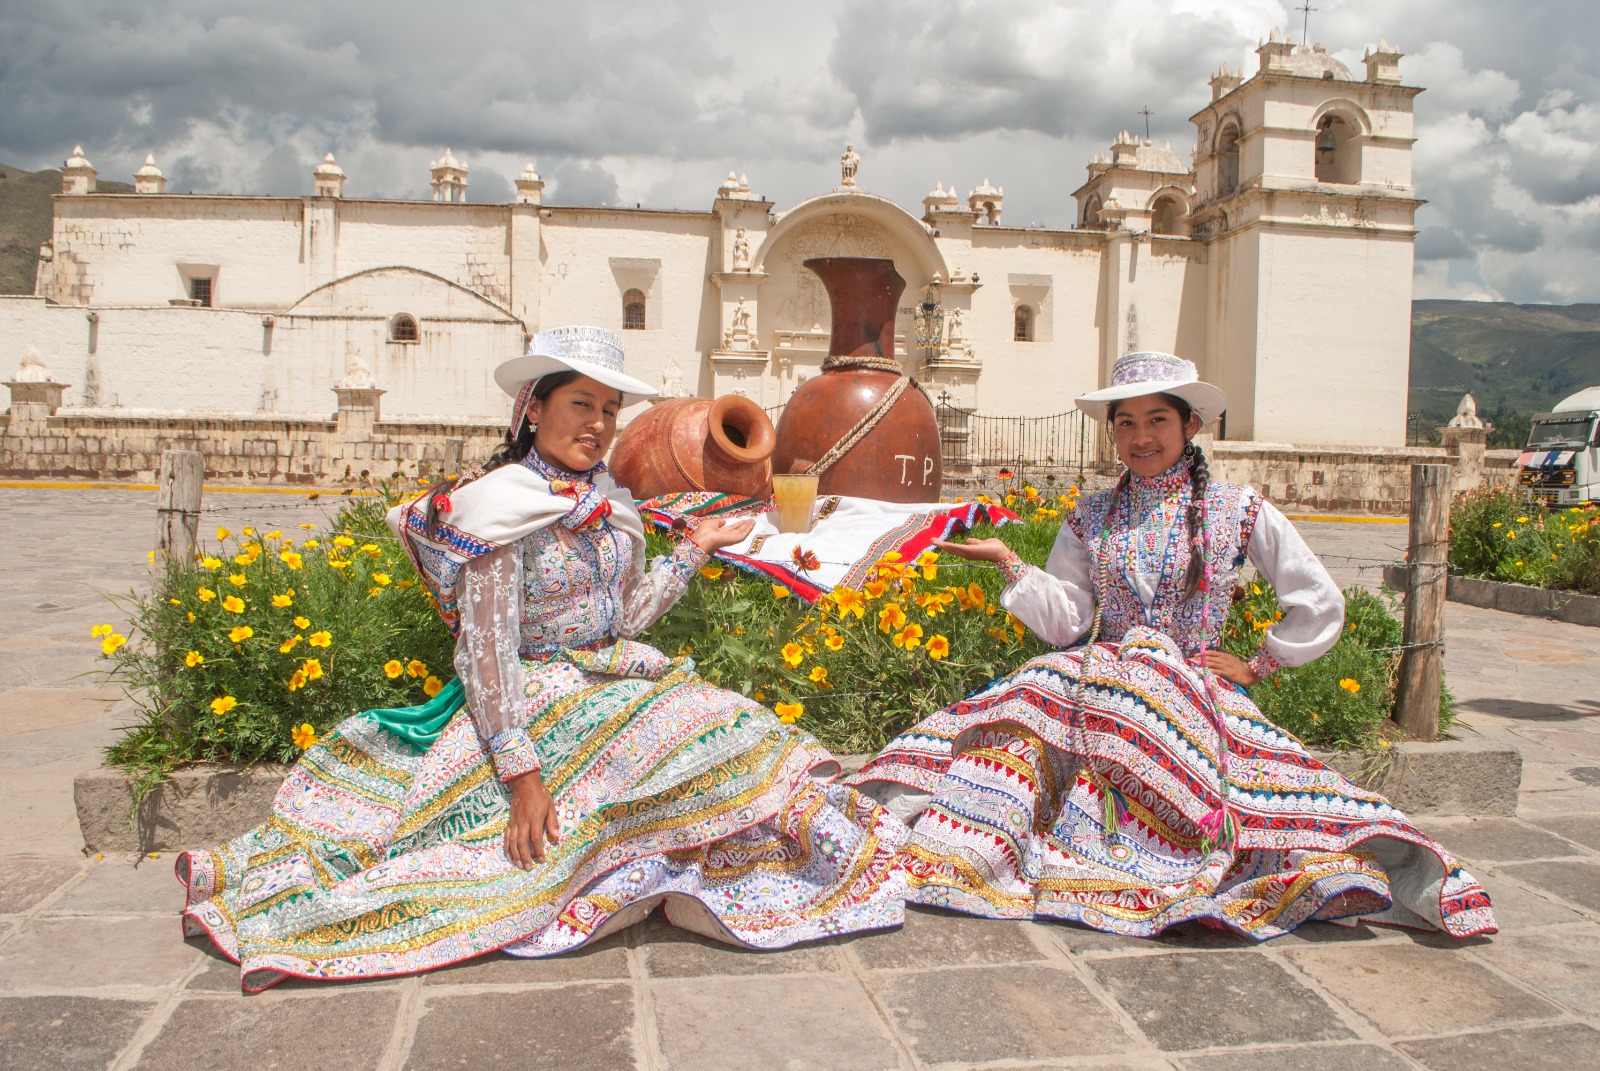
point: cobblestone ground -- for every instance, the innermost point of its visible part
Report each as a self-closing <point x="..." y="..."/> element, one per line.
<point x="94" y="974"/>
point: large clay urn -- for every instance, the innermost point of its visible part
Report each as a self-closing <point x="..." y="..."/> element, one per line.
<point x="697" y="444"/>
<point x="863" y="426"/>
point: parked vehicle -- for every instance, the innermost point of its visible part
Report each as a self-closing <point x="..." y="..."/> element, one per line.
<point x="1560" y="466"/>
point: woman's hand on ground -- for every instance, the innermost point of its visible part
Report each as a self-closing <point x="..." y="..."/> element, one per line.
<point x="533" y="821"/>
<point x="1230" y="667"/>
<point x="975" y="550"/>
<point x="715" y="533"/>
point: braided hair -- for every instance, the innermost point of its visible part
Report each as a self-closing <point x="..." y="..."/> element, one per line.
<point x="514" y="449"/>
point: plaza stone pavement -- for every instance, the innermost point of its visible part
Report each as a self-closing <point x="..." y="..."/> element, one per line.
<point x="94" y="974"/>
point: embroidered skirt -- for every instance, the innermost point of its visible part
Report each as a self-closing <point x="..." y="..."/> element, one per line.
<point x="379" y="860"/>
<point x="1009" y="792"/>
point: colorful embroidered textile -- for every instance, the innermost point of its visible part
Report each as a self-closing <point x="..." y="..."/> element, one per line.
<point x="847" y="538"/>
<point x="1012" y="789"/>
<point x="380" y="861"/>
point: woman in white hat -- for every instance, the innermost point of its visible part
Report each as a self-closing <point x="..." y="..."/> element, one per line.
<point x="1126" y="781"/>
<point x="570" y="778"/>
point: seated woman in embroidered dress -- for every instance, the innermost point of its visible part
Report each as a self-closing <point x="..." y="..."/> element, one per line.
<point x="1128" y="783"/>
<point x="570" y="778"/>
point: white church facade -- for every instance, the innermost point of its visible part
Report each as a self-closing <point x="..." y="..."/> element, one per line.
<point x="1278" y="258"/>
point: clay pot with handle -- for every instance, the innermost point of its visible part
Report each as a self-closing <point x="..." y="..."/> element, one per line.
<point x="863" y="426"/>
<point x="697" y="444"/>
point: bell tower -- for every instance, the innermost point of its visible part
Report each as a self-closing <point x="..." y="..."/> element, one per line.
<point x="1303" y="192"/>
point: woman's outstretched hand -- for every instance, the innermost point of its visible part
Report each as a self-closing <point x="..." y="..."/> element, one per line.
<point x="1229" y="667"/>
<point x="975" y="550"/>
<point x="714" y="533"/>
<point x="533" y="821"/>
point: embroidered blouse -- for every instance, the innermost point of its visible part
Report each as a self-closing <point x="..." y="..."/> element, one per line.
<point x="1147" y="550"/>
<point x="560" y="587"/>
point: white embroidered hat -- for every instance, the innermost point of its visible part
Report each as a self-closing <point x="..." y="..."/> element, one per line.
<point x="591" y="351"/>
<point x="1137" y="374"/>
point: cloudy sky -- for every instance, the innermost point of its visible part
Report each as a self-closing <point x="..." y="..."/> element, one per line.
<point x="654" y="101"/>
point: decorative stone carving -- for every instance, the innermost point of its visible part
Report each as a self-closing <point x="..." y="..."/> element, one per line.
<point x="848" y="163"/>
<point x="837" y="235"/>
<point x="1466" y="414"/>
<point x="741" y="251"/>
<point x="32" y="367"/>
<point x="672" y="381"/>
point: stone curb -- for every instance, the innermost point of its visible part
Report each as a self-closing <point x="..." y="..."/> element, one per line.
<point x="208" y="805"/>
<point x="1568" y="606"/>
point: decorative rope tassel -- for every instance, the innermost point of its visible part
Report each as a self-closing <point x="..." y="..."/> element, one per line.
<point x="1219" y="830"/>
<point x="1116" y="808"/>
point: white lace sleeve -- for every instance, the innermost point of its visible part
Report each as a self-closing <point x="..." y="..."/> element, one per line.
<point x="1056" y="602"/>
<point x="1313" y="607"/>
<point x="646" y="596"/>
<point x="486" y="657"/>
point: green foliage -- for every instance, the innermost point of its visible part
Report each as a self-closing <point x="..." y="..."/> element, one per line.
<point x="228" y="655"/>
<point x="1341" y="700"/>
<point x="1495" y="535"/>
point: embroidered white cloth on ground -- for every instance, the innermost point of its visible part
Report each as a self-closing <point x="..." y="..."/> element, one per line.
<point x="848" y="535"/>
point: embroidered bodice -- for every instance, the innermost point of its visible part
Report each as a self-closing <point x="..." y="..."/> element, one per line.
<point x="1126" y="553"/>
<point x="1141" y="558"/>
<point x="572" y="587"/>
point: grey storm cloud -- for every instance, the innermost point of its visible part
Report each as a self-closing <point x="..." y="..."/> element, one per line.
<point x="622" y="101"/>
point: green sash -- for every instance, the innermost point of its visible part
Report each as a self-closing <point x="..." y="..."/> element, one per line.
<point x="420" y="726"/>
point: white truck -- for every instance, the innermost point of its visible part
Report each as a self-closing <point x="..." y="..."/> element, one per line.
<point x="1560" y="466"/>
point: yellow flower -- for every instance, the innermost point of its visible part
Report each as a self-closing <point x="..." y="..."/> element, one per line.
<point x="302" y="622"/>
<point x="849" y="601"/>
<point x="789" y="713"/>
<point x="286" y="599"/>
<point x="908" y="637"/>
<point x="110" y="644"/>
<point x="819" y="674"/>
<point x="760" y="695"/>
<point x="308" y="527"/>
<point x="210" y="563"/>
<point x="222" y="704"/>
<point x="289" y="644"/>
<point x="1522" y="520"/>
<point x="291" y="558"/>
<point x="297" y="680"/>
<point x="875" y="588"/>
<point x="343" y="541"/>
<point x="223" y="533"/>
<point x="891" y="617"/>
<point x="304" y="736"/>
<point x="405" y="584"/>
<point x="1351" y="685"/>
<point x="711" y="572"/>
<point x="101" y="630"/>
<point x="276" y="533"/>
<point x="939" y="647"/>
<point x="393" y="668"/>
<point x="1496" y="524"/>
<point x="238" y="580"/>
<point x="193" y="658"/>
<point x="240" y="633"/>
<point x="417" y="668"/>
<point x="313" y="543"/>
<point x="834" y="642"/>
<point x="312" y="668"/>
<point x="337" y="563"/>
<point x="191" y="617"/>
<point x="431" y="686"/>
<point x="320" y="639"/>
<point x="233" y="604"/>
<point x="369" y="549"/>
<point x="381" y="579"/>
<point x="1511" y="535"/>
<point x="779" y="591"/>
<point x="975" y="593"/>
<point x="175" y="602"/>
<point x="929" y="560"/>
<point x="793" y="654"/>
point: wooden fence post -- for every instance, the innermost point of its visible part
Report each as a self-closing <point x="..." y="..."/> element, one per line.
<point x="1418" y="690"/>
<point x="178" y="503"/>
<point x="450" y="464"/>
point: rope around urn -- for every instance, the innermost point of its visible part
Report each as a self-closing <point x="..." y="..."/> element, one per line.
<point x="874" y="416"/>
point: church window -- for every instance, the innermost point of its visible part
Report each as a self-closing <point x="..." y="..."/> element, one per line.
<point x="1023" y="324"/>
<point x="403" y="328"/>
<point x="1166" y="216"/>
<point x="633" y="310"/>
<point x="200" y="292"/>
<point x="1227" y="160"/>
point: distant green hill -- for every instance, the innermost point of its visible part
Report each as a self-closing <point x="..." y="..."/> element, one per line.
<point x="1515" y="360"/>
<point x="25" y="221"/>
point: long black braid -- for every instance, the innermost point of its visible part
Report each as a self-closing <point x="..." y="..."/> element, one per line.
<point x="514" y="449"/>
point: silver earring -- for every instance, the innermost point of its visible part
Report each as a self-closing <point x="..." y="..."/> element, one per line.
<point x="1189" y="450"/>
